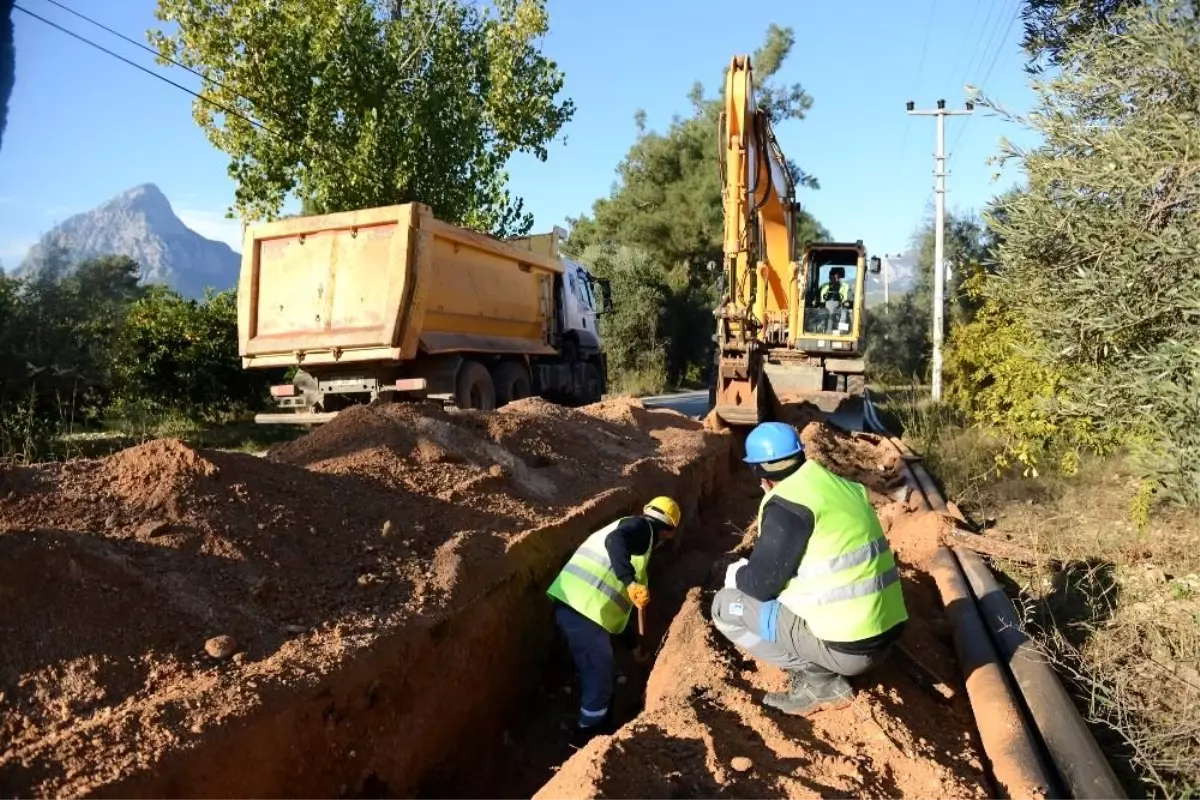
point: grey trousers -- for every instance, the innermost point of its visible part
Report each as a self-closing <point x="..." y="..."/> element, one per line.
<point x="771" y="633"/>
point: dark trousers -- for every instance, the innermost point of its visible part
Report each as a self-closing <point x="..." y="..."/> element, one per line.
<point x="592" y="651"/>
<point x="772" y="633"/>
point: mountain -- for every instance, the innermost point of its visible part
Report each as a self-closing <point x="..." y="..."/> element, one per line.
<point x="141" y="224"/>
<point x="902" y="274"/>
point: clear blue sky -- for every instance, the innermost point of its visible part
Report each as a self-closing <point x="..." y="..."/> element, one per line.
<point x="84" y="126"/>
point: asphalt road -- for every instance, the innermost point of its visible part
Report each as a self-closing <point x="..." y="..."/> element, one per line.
<point x="694" y="404"/>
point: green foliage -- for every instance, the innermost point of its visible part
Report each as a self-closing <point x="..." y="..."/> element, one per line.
<point x="1052" y="25"/>
<point x="179" y="355"/>
<point x="1090" y="333"/>
<point x="8" y="62"/>
<point x="79" y="343"/>
<point x="634" y="336"/>
<point x="967" y="249"/>
<point x="667" y="206"/>
<point x="897" y="337"/>
<point x="372" y="102"/>
<point x="58" y="330"/>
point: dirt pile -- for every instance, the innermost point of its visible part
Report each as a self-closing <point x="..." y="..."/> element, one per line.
<point x="704" y="732"/>
<point x="366" y="537"/>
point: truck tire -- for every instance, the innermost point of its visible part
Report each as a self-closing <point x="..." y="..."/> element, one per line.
<point x="474" y="387"/>
<point x="512" y="382"/>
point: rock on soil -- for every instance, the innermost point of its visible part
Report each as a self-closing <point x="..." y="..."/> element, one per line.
<point x="114" y="571"/>
<point x="705" y="733"/>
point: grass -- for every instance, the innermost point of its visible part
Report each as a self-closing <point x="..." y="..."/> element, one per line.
<point x="1115" y="604"/>
<point x="229" y="432"/>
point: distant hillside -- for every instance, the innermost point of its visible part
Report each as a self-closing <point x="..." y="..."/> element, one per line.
<point x="141" y="224"/>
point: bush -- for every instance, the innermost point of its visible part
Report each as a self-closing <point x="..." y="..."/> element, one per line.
<point x="181" y="356"/>
<point x="58" y="330"/>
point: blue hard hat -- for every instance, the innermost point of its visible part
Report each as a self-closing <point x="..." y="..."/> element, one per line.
<point x="772" y="441"/>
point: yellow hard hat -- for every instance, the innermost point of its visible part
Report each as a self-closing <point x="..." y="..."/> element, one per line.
<point x="665" y="510"/>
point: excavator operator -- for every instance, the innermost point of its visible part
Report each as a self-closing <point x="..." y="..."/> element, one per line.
<point x="835" y="288"/>
<point x="819" y="596"/>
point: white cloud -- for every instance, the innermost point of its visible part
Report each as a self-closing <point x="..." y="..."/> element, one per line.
<point x="213" y="225"/>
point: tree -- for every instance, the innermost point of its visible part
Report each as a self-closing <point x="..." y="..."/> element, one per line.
<point x="635" y="336"/>
<point x="8" y="62"/>
<point x="966" y="250"/>
<point x="372" y="102"/>
<point x="1052" y="25"/>
<point x="58" y="333"/>
<point x="1096" y="259"/>
<point x="900" y="336"/>
<point x="897" y="337"/>
<point x="667" y="206"/>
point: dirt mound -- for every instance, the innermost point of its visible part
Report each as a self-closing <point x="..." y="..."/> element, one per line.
<point x="114" y="573"/>
<point x="704" y="733"/>
<point x="859" y="458"/>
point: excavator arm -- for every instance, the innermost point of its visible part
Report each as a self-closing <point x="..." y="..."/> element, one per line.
<point x="758" y="309"/>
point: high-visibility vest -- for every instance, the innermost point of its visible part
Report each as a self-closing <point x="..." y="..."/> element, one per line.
<point x="588" y="584"/>
<point x="843" y="292"/>
<point x="846" y="587"/>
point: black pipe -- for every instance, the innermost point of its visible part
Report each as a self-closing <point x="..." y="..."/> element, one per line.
<point x="1076" y="755"/>
<point x="1007" y="741"/>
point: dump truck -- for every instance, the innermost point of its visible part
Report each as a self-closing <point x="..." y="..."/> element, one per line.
<point x="387" y="303"/>
<point x="789" y="328"/>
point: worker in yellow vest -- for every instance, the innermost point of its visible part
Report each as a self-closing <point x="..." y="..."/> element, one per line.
<point x="819" y="595"/>
<point x="594" y="595"/>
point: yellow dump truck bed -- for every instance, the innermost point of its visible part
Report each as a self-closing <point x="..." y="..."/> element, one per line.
<point x="383" y="284"/>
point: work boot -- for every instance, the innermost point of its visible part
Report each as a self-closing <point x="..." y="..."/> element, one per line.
<point x="811" y="689"/>
<point x="581" y="735"/>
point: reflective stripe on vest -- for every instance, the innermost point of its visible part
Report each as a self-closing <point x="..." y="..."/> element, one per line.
<point x="847" y="587"/>
<point x="588" y="584"/>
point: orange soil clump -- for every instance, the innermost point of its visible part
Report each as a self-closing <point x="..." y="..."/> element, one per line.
<point x="121" y="577"/>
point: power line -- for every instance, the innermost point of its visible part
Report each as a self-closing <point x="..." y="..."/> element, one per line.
<point x="984" y="34"/>
<point x="962" y="50"/>
<point x="146" y="47"/>
<point x="925" y="46"/>
<point x="150" y="72"/>
<point x="307" y="150"/>
<point x="920" y="69"/>
<point x="995" y="57"/>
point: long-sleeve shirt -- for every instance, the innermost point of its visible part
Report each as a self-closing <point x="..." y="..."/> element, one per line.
<point x="784" y="531"/>
<point x="632" y="537"/>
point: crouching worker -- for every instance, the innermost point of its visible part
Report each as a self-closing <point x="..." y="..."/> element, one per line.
<point x="594" y="596"/>
<point x="819" y="596"/>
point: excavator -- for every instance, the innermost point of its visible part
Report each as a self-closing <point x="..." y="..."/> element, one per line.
<point x="789" y="325"/>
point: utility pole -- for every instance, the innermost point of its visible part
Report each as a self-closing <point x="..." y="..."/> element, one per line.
<point x="887" y="268"/>
<point x="939" y="265"/>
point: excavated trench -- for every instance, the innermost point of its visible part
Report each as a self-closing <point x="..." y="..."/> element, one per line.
<point x="473" y="694"/>
<point x="532" y="743"/>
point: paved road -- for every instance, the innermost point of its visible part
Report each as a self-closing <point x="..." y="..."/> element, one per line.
<point x="694" y="404"/>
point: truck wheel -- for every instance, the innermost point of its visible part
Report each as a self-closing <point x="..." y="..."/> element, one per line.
<point x="592" y="390"/>
<point x="474" y="388"/>
<point x="512" y="383"/>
